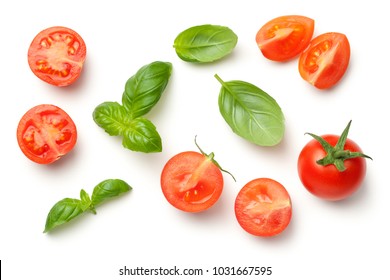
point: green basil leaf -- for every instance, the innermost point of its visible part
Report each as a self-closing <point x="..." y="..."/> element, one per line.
<point x="144" y="89"/>
<point x="62" y="212"/>
<point x="112" y="117"/>
<point x="251" y="113"/>
<point x="142" y="136"/>
<point x="108" y="189"/>
<point x="205" y="43"/>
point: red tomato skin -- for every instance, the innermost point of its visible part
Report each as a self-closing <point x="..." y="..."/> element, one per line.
<point x="276" y="214"/>
<point x="286" y="45"/>
<point x="330" y="65"/>
<point x="55" y="59"/>
<point x="195" y="166"/>
<point x="326" y="182"/>
<point x="55" y="140"/>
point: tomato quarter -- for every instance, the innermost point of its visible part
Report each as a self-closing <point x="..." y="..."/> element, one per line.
<point x="263" y="207"/>
<point x="332" y="167"/>
<point x="325" y="60"/>
<point x="56" y="55"/>
<point x="285" y="37"/>
<point x="45" y="133"/>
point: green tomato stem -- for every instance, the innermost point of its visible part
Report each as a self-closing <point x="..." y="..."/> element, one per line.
<point x="337" y="155"/>
<point x="211" y="158"/>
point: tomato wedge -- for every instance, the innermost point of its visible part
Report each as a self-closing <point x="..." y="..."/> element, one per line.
<point x="325" y="60"/>
<point x="285" y="37"/>
<point x="45" y="133"/>
<point x="56" y="55"/>
<point x="191" y="181"/>
<point x="263" y="207"/>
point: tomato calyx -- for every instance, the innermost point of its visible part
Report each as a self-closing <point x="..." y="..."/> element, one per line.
<point x="336" y="154"/>
<point x="210" y="157"/>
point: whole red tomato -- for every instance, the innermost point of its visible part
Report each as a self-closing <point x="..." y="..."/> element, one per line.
<point x="332" y="167"/>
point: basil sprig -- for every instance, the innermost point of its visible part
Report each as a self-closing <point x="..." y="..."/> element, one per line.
<point x="141" y="94"/>
<point x="251" y="113"/>
<point x="67" y="209"/>
<point x="205" y="43"/>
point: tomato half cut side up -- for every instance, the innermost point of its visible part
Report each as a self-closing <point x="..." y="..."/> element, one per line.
<point x="325" y="60"/>
<point x="263" y="207"/>
<point x="191" y="182"/>
<point x="285" y="37"/>
<point x="56" y="55"/>
<point x="45" y="133"/>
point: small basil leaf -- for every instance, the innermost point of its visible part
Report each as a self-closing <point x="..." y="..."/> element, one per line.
<point x="142" y="136"/>
<point x="251" y="113"/>
<point x="108" y="189"/>
<point x="205" y="43"/>
<point x="62" y="212"/>
<point x="144" y="89"/>
<point x="112" y="117"/>
<point x="86" y="201"/>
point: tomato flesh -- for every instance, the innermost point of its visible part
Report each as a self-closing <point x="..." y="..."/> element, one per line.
<point x="285" y="37"/>
<point x="46" y="133"/>
<point x="191" y="182"/>
<point x="263" y="207"/>
<point x="56" y="55"/>
<point x="327" y="182"/>
<point x="325" y="60"/>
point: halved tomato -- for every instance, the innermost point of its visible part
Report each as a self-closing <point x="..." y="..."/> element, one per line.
<point x="191" y="181"/>
<point x="45" y="133"/>
<point x="56" y="55"/>
<point x="263" y="207"/>
<point x="325" y="60"/>
<point x="285" y="37"/>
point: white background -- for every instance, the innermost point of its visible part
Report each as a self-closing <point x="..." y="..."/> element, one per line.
<point x="324" y="240"/>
